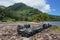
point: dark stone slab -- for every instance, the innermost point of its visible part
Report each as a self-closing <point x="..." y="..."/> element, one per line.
<point x="27" y="31"/>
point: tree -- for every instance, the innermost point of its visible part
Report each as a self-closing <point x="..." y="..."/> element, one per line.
<point x="45" y="17"/>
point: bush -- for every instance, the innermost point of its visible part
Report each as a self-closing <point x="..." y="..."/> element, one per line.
<point x="8" y="19"/>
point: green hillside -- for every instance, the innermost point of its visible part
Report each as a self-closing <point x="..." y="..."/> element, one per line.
<point x="22" y="12"/>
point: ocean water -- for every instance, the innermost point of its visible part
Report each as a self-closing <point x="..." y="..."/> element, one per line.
<point x="57" y="23"/>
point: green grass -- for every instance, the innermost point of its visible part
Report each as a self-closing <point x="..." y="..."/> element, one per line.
<point x="56" y="29"/>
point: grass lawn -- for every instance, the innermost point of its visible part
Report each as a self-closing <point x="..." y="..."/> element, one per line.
<point x="56" y="29"/>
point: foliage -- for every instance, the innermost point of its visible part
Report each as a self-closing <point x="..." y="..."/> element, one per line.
<point x="8" y="20"/>
<point x="22" y="12"/>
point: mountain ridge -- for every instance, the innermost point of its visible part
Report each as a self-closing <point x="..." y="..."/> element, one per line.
<point x="23" y="12"/>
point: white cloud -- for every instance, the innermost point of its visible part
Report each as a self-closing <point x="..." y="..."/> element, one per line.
<point x="53" y="9"/>
<point x="46" y="8"/>
<point x="6" y="2"/>
<point x="40" y="4"/>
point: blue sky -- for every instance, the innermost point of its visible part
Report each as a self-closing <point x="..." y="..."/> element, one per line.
<point x="55" y="6"/>
<point x="49" y="6"/>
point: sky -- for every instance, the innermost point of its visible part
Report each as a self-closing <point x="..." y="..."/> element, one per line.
<point x="48" y="6"/>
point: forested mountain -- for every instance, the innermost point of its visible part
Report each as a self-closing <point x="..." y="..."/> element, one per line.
<point x="22" y="12"/>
